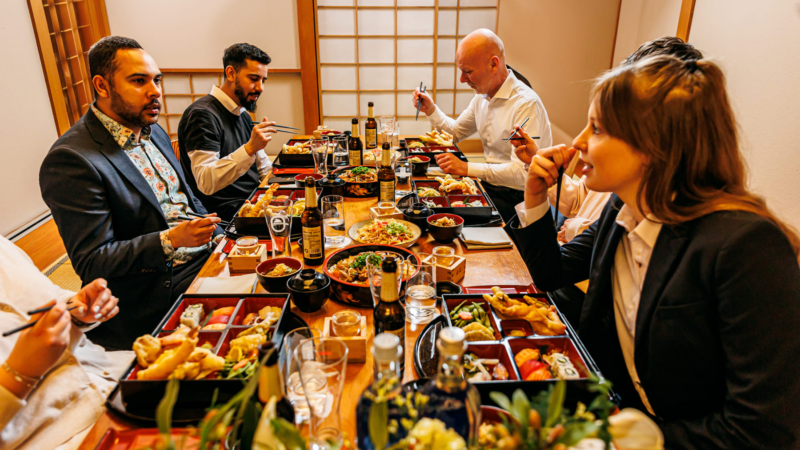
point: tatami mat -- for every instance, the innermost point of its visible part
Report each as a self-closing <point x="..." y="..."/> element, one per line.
<point x="63" y="275"/>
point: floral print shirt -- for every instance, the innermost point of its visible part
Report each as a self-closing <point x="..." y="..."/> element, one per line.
<point x="161" y="177"/>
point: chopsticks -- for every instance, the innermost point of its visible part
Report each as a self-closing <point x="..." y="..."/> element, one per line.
<point x="521" y="138"/>
<point x="275" y="126"/>
<point x="45" y="309"/>
<point x="200" y="216"/>
<point x="558" y="193"/>
<point x="419" y="103"/>
<point x="28" y="325"/>
<point x="517" y="129"/>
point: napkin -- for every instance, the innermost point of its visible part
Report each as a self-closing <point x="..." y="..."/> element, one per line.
<point x="485" y="238"/>
<point x="228" y="285"/>
<point x="435" y="171"/>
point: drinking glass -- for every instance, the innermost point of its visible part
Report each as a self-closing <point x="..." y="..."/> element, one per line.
<point x="278" y="214"/>
<point x="319" y="150"/>
<point x="375" y="275"/>
<point x="294" y="387"/>
<point x="341" y="146"/>
<point x="322" y="364"/>
<point x="421" y="288"/>
<point x="333" y="220"/>
<point x="403" y="173"/>
<point x="387" y="126"/>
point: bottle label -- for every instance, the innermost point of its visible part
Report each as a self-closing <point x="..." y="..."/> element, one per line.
<point x="387" y="191"/>
<point x="312" y="242"/>
<point x="372" y="138"/>
<point x="355" y="157"/>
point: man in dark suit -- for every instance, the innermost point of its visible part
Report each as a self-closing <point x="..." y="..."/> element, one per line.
<point x="116" y="190"/>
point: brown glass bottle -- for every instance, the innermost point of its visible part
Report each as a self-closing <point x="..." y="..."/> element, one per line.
<point x="313" y="231"/>
<point x="389" y="315"/>
<point x="386" y="177"/>
<point x="371" y="128"/>
<point x="356" y="155"/>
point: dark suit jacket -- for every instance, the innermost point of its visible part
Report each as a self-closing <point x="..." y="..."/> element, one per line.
<point x="110" y="220"/>
<point x="716" y="343"/>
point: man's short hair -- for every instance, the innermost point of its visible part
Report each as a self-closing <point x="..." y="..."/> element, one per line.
<point x="237" y="55"/>
<point x="667" y="45"/>
<point x="103" y="55"/>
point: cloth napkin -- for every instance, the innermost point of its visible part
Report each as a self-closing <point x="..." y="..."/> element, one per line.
<point x="485" y="238"/>
<point x="242" y="284"/>
<point x="435" y="171"/>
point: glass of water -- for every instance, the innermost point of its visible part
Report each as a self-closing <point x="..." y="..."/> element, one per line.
<point x="322" y="365"/>
<point x="333" y="220"/>
<point x="278" y="214"/>
<point x="294" y="387"/>
<point x="341" y="149"/>
<point x="421" y="288"/>
<point x="319" y="150"/>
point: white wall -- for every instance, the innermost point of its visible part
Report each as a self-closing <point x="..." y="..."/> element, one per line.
<point x="560" y="46"/>
<point x="758" y="46"/>
<point x="27" y="127"/>
<point x="193" y="34"/>
<point x="644" y="20"/>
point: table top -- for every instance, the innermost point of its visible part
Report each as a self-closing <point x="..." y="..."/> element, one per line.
<point x="484" y="267"/>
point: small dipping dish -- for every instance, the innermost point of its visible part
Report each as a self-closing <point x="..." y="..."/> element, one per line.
<point x="386" y="207"/>
<point x="444" y="255"/>
<point x="247" y="244"/>
<point x="346" y="323"/>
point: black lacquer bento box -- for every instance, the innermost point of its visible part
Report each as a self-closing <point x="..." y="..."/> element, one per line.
<point x="431" y="150"/>
<point x="257" y="226"/>
<point x="444" y="204"/>
<point x="504" y="347"/>
<point x="140" y="397"/>
<point x="298" y="159"/>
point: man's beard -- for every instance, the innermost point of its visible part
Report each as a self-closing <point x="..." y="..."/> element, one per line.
<point x="239" y="92"/>
<point x="130" y="114"/>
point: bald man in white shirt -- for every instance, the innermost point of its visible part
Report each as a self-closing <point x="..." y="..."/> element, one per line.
<point x="501" y="102"/>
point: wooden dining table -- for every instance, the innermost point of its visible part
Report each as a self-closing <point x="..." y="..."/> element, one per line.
<point x="483" y="268"/>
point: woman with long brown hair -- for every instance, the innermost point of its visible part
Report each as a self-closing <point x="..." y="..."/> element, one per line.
<point x="694" y="285"/>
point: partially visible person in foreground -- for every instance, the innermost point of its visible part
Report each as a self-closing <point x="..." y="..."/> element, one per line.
<point x="694" y="285"/>
<point x="53" y="380"/>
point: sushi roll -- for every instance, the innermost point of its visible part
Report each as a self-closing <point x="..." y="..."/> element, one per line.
<point x="565" y="372"/>
<point x="193" y="315"/>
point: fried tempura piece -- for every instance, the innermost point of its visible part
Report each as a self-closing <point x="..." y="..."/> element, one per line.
<point x="168" y="361"/>
<point x="175" y="338"/>
<point x="147" y="349"/>
<point x="212" y="363"/>
<point x="186" y="371"/>
<point x="199" y="354"/>
<point x="476" y="331"/>
<point x="543" y="318"/>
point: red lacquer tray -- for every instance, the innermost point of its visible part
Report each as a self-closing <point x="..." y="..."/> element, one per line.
<point x="143" y="438"/>
<point x="508" y="289"/>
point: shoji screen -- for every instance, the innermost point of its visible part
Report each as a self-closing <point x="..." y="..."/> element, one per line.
<point x="380" y="50"/>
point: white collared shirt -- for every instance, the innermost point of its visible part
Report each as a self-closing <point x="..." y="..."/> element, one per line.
<point x="214" y="173"/>
<point x="631" y="260"/>
<point x="578" y="203"/>
<point x="70" y="398"/>
<point x="494" y="119"/>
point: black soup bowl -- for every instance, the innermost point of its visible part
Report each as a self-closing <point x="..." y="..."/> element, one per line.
<point x="356" y="294"/>
<point x="300" y="180"/>
<point x="445" y="235"/>
<point x="419" y="169"/>
<point x="309" y="289"/>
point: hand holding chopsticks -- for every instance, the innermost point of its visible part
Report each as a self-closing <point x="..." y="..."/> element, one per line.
<point x="420" y="99"/>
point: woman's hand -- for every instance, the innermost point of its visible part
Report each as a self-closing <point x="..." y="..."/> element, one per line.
<point x="524" y="149"/>
<point x="543" y="172"/>
<point x="38" y="348"/>
<point x="95" y="303"/>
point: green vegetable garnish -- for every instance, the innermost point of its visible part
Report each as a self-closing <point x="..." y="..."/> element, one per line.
<point x="361" y="170"/>
<point x="395" y="228"/>
<point x="361" y="260"/>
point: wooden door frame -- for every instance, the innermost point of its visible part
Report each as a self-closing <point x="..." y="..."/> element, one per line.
<point x="309" y="63"/>
<point x="685" y="19"/>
